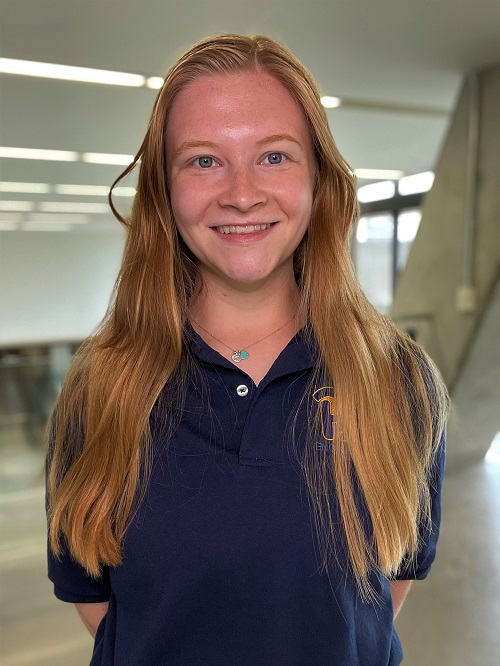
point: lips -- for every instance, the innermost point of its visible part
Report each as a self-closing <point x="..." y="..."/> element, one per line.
<point x="242" y="229"/>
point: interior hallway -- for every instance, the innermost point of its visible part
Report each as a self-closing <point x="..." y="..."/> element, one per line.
<point x="450" y="619"/>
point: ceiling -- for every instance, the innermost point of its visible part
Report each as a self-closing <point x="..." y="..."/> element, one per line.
<point x="397" y="65"/>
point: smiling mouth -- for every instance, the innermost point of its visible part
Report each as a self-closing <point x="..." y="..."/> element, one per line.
<point x="242" y="229"/>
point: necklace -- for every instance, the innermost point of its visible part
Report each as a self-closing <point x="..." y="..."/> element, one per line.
<point x="241" y="354"/>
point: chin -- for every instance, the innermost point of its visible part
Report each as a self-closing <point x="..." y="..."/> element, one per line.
<point x="247" y="278"/>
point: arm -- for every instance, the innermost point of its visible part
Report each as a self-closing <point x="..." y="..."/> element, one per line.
<point x="399" y="590"/>
<point x="92" y="614"/>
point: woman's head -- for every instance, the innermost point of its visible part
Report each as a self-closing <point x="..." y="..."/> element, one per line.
<point x="223" y="56"/>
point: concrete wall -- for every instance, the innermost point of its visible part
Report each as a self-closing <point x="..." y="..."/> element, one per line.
<point x="425" y="298"/>
<point x="475" y="414"/>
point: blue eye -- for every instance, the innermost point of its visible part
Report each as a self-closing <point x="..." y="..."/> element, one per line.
<point x="204" y="162"/>
<point x="275" y="158"/>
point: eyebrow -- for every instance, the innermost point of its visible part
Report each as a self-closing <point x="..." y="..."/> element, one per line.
<point x="186" y="145"/>
<point x="193" y="144"/>
<point x="278" y="137"/>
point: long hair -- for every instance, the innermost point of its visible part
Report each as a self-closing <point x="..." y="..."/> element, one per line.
<point x="390" y="403"/>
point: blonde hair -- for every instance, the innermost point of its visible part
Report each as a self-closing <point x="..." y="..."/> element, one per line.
<point x="390" y="403"/>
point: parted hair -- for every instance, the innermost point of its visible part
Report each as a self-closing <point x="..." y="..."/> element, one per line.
<point x="390" y="402"/>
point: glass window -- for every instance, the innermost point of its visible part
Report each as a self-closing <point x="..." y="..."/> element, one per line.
<point x="374" y="258"/>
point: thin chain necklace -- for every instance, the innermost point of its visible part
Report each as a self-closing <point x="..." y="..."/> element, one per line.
<point x="241" y="354"/>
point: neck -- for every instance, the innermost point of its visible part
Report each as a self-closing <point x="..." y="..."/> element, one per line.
<point x="223" y="310"/>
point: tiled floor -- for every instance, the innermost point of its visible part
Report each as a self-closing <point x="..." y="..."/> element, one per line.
<point x="450" y="619"/>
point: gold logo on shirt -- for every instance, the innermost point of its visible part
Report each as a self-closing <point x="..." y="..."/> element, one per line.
<point x="324" y="396"/>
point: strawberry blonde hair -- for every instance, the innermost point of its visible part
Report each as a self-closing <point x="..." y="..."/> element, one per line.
<point x="390" y="402"/>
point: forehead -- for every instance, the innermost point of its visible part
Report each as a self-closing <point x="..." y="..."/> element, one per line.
<point x="236" y="102"/>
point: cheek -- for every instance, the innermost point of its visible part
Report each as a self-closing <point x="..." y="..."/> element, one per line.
<point x="188" y="204"/>
<point x="297" y="199"/>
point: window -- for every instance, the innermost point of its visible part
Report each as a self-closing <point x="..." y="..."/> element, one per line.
<point x="374" y="258"/>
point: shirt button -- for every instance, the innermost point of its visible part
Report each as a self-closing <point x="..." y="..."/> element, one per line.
<point x="242" y="390"/>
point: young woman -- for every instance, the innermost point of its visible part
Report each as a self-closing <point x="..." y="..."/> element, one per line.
<point x="246" y="458"/>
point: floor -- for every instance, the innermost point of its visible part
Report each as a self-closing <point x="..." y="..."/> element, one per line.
<point x="450" y="619"/>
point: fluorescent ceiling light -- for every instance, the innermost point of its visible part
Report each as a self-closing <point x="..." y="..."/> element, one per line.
<point x="64" y="155"/>
<point x="11" y="217"/>
<point x="379" y="174"/>
<point x="385" y="189"/>
<point x="419" y="182"/>
<point x="125" y="191"/>
<point x="72" y="207"/>
<point x="70" y="73"/>
<point x="58" y="218"/>
<point x="154" y="82"/>
<point x="8" y="226"/>
<point x="32" y="188"/>
<point x="107" y="158"/>
<point x="330" y="102"/>
<point x="94" y="190"/>
<point x="16" y="205"/>
<point x="41" y="226"/>
<point x="38" y="154"/>
<point x="90" y="190"/>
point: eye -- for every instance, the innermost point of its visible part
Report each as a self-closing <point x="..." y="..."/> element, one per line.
<point x="275" y="158"/>
<point x="204" y="162"/>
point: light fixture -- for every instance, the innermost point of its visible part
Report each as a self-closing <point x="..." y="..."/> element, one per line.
<point x="107" y="158"/>
<point x="16" y="205"/>
<point x="11" y="216"/>
<point x="419" y="182"/>
<point x="379" y="174"/>
<point x="154" y="82"/>
<point x="125" y="191"/>
<point x="45" y="226"/>
<point x="31" y="188"/>
<point x="385" y="189"/>
<point x="8" y="226"/>
<point x="88" y="190"/>
<point x="93" y="190"/>
<point x="38" y="154"/>
<point x="330" y="102"/>
<point x="58" y="218"/>
<point x="70" y="73"/>
<point x="72" y="207"/>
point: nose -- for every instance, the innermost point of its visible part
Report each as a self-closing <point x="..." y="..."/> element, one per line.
<point x="242" y="191"/>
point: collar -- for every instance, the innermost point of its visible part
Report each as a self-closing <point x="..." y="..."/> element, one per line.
<point x="300" y="353"/>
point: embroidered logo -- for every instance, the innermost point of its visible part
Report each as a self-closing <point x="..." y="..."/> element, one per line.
<point x="324" y="396"/>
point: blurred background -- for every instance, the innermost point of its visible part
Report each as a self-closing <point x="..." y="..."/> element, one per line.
<point x="412" y="91"/>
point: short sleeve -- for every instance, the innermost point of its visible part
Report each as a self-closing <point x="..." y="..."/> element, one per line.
<point x="419" y="566"/>
<point x="73" y="584"/>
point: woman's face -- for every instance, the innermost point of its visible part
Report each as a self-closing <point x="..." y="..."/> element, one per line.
<point x="239" y="154"/>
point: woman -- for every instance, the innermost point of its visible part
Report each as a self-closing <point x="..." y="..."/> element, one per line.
<point x="246" y="458"/>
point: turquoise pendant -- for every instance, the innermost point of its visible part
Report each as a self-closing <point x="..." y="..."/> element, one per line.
<point x="240" y="355"/>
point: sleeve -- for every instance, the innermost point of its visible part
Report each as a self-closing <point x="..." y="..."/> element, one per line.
<point x="418" y="567"/>
<point x="71" y="582"/>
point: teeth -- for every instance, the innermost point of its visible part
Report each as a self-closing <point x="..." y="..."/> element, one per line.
<point x="247" y="229"/>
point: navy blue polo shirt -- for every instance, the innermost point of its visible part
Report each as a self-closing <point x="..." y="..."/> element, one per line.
<point x="221" y="565"/>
